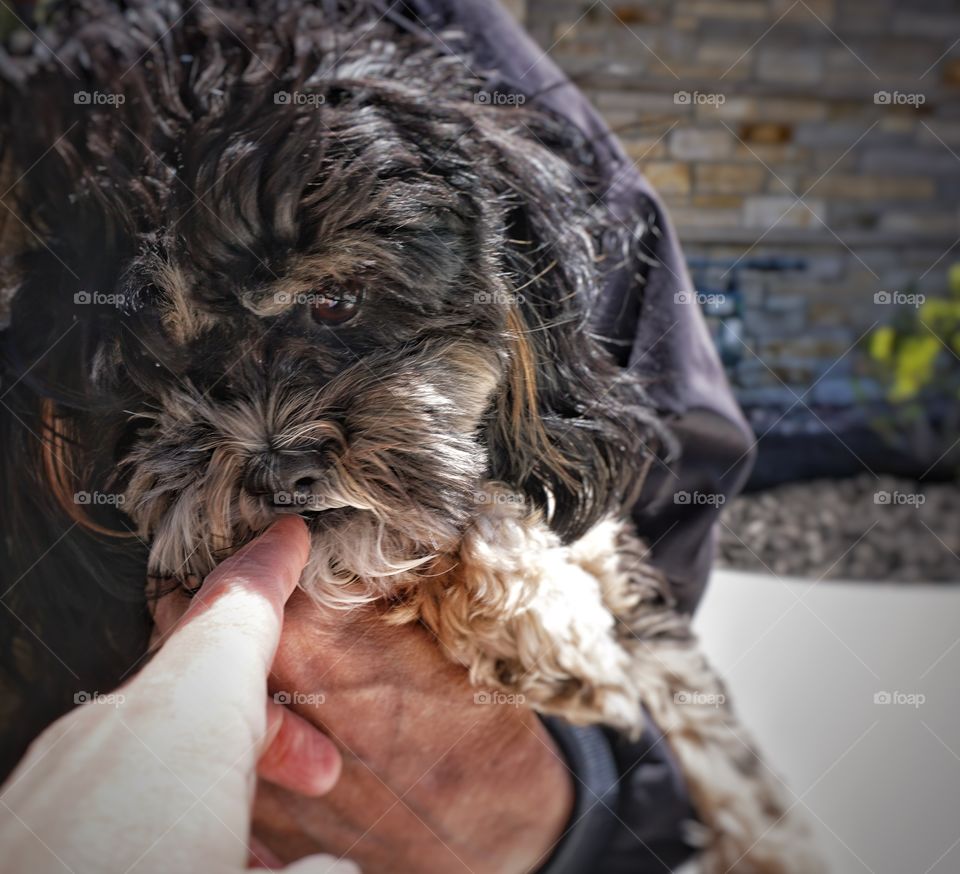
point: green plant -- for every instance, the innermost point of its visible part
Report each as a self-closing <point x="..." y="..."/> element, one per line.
<point x="916" y="358"/>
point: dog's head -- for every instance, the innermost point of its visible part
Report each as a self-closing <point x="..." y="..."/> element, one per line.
<point x="289" y="278"/>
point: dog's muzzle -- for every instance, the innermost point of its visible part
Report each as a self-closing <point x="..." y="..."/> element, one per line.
<point x="289" y="480"/>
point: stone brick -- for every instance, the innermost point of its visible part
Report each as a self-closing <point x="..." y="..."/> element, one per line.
<point x="717" y="201"/>
<point x="782" y="303"/>
<point x="786" y="181"/>
<point x="730" y="178"/>
<point x="887" y="187"/>
<point x="767" y="133"/>
<point x="919" y="161"/>
<point x="632" y="14"/>
<point x="643" y="149"/>
<point x="842" y="134"/>
<point x="836" y="160"/>
<point x="734" y="108"/>
<point x="824" y="9"/>
<point x="674" y="201"/>
<point x="835" y="391"/>
<point x="946" y="224"/>
<point x="864" y="16"/>
<point x="690" y="217"/>
<point x="754" y="10"/>
<point x="827" y="312"/>
<point x="668" y="176"/>
<point x="938" y="131"/>
<point x="825" y="266"/>
<point x="700" y="144"/>
<point x="761" y="212"/>
<point x="902" y="125"/>
<point x="800" y="66"/>
<point x="917" y="23"/>
<point x="639" y="105"/>
<point x="793" y="109"/>
<point x="950" y="72"/>
<point x="725" y="56"/>
<point x="772" y="155"/>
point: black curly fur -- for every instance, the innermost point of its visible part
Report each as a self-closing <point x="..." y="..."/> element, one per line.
<point x="398" y="175"/>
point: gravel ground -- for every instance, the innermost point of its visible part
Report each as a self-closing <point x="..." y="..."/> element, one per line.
<point x="867" y="528"/>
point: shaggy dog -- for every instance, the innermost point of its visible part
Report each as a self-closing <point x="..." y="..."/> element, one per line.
<point x="266" y="260"/>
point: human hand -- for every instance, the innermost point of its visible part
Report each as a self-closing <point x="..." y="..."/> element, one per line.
<point x="437" y="776"/>
<point x="160" y="776"/>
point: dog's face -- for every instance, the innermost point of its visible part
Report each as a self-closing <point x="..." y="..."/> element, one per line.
<point x="355" y="399"/>
<point x="354" y="307"/>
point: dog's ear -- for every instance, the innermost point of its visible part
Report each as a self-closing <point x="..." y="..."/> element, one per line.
<point x="570" y="429"/>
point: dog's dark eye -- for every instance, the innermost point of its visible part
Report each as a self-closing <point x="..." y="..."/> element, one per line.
<point x="336" y="305"/>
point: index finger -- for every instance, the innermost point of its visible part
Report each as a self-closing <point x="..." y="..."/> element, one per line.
<point x="241" y="602"/>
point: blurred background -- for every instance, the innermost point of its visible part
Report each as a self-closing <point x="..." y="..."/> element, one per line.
<point x="809" y="153"/>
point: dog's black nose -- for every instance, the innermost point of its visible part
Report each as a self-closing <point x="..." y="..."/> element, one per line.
<point x="286" y="479"/>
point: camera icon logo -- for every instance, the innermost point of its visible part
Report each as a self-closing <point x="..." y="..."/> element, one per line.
<point x="82" y="98"/>
<point x="682" y="98"/>
<point x="883" y="98"/>
<point x="682" y="498"/>
<point x="883" y="297"/>
<point x="282" y="98"/>
<point x="282" y="697"/>
<point x="882" y="698"/>
<point x="882" y="498"/>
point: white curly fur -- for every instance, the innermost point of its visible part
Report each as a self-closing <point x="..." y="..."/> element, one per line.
<point x="588" y="632"/>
